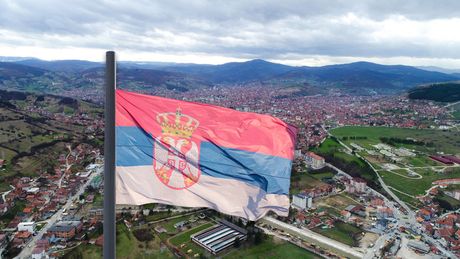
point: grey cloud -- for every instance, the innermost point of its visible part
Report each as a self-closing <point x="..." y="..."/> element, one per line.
<point x="243" y="29"/>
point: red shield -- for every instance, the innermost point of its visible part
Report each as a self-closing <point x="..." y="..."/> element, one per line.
<point x="176" y="161"/>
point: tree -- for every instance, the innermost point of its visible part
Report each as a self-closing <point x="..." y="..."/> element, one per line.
<point x="258" y="237"/>
<point x="237" y="242"/>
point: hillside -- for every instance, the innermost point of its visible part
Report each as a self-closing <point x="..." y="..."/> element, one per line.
<point x="380" y="78"/>
<point x="35" y="130"/>
<point x="60" y="65"/>
<point x="85" y="79"/>
<point x="443" y="92"/>
<point x="234" y="72"/>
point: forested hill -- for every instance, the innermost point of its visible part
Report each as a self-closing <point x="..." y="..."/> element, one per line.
<point x="442" y="92"/>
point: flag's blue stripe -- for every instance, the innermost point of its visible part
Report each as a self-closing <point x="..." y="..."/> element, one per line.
<point x="134" y="147"/>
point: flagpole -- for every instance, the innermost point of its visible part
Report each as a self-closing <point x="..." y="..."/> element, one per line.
<point x="109" y="157"/>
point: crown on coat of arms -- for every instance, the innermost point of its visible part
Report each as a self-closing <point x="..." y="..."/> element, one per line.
<point x="177" y="124"/>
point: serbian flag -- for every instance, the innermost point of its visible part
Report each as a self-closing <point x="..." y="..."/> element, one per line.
<point x="198" y="155"/>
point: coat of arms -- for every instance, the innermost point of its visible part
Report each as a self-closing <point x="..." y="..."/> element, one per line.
<point x="175" y="154"/>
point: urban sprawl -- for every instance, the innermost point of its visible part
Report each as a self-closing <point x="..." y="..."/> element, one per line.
<point x="336" y="211"/>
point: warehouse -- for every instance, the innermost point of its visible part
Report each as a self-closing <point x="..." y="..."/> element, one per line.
<point x="219" y="237"/>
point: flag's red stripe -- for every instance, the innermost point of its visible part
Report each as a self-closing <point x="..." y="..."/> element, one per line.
<point x="224" y="127"/>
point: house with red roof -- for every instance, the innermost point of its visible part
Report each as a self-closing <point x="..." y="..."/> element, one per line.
<point x="445" y="232"/>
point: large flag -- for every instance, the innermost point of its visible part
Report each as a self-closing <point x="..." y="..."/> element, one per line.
<point x="199" y="155"/>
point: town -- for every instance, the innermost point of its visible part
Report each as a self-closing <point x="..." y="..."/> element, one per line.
<point x="344" y="201"/>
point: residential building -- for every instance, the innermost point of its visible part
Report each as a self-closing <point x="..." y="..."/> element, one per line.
<point x="65" y="229"/>
<point x="27" y="226"/>
<point x="314" y="161"/>
<point x="302" y="201"/>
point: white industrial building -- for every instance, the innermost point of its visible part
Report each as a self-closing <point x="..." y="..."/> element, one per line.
<point x="219" y="237"/>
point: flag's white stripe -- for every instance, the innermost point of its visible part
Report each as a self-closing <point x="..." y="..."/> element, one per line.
<point x="139" y="185"/>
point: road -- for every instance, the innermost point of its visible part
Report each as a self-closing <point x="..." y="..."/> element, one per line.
<point x="410" y="221"/>
<point x="289" y="239"/>
<point x="27" y="251"/>
<point x="410" y="213"/>
<point x="7" y="192"/>
<point x="313" y="237"/>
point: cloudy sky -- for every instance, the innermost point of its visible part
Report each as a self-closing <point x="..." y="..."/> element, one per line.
<point x="292" y="32"/>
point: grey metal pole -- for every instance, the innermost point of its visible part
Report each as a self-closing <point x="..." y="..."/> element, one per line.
<point x="109" y="157"/>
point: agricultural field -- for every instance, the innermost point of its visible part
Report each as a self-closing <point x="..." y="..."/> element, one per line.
<point x="31" y="138"/>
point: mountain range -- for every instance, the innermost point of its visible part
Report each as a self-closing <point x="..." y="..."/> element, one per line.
<point x="358" y="77"/>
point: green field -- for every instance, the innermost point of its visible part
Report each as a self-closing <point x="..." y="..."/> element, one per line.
<point x="271" y="248"/>
<point x="335" y="154"/>
<point x="456" y="111"/>
<point x="184" y="238"/>
<point x="86" y="251"/>
<point x="415" y="186"/>
<point x="301" y="181"/>
<point x="339" y="201"/>
<point x="342" y="232"/>
<point x="127" y="247"/>
<point x="321" y="175"/>
<point x="445" y="141"/>
<point x="169" y="224"/>
<point x="427" y="142"/>
<point x="447" y="202"/>
<point x="31" y="138"/>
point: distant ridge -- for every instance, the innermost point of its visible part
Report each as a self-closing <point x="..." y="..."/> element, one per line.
<point x="60" y="65"/>
<point x="355" y="78"/>
<point x="443" y="92"/>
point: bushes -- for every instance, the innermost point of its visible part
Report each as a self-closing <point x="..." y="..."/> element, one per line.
<point x="393" y="141"/>
<point x="143" y="235"/>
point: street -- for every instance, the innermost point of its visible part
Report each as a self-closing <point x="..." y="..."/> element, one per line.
<point x="313" y="237"/>
<point x="27" y="250"/>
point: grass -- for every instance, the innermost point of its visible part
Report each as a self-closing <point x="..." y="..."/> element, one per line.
<point x="184" y="238"/>
<point x="158" y="215"/>
<point x="13" y="211"/>
<point x="271" y="248"/>
<point x="86" y="251"/>
<point x="169" y="224"/>
<point x="335" y="154"/>
<point x="415" y="186"/>
<point x="128" y="247"/>
<point x="447" y="202"/>
<point x="342" y="232"/>
<point x="339" y="201"/>
<point x="440" y="141"/>
<point x="445" y="141"/>
<point x="321" y="176"/>
<point x="302" y="180"/>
